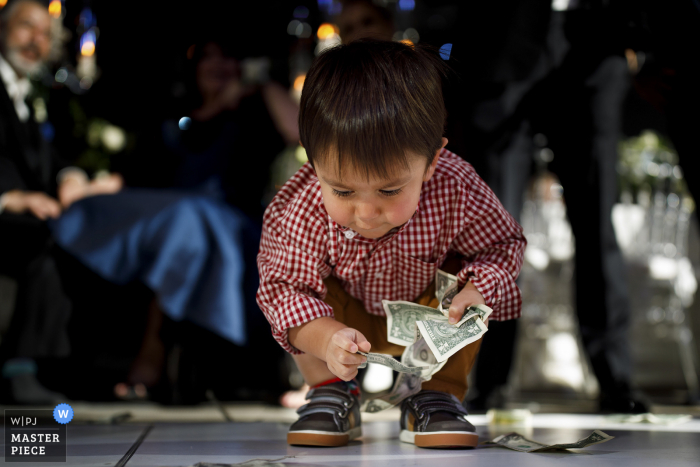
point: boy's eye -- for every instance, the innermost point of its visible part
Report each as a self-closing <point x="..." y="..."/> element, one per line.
<point x="390" y="192"/>
<point x="342" y="194"/>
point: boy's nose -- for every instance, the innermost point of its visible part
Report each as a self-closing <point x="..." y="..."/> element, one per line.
<point x="366" y="212"/>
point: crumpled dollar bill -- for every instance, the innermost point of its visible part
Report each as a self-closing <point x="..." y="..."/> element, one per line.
<point x="428" y="337"/>
<point x="518" y="442"/>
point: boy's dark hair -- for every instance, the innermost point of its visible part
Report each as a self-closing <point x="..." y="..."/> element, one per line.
<point x="368" y="102"/>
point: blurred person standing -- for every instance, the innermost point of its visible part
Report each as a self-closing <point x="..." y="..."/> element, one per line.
<point x="561" y="71"/>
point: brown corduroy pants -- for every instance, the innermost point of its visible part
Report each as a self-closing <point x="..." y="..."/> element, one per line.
<point x="452" y="378"/>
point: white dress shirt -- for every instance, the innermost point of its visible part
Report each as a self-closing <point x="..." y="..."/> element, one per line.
<point x="18" y="88"/>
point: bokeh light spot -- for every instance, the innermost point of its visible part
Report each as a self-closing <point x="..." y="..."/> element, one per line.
<point x="61" y="75"/>
<point x="184" y="123"/>
<point x="445" y="51"/>
<point x="326" y="31"/>
<point x="292" y="27"/>
<point x="299" y="82"/>
<point x="54" y="8"/>
<point x="407" y="5"/>
<point x="87" y="49"/>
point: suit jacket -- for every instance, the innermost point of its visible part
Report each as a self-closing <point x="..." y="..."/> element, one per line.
<point x="27" y="162"/>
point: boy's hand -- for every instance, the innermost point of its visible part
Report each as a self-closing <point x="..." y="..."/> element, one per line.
<point x="468" y="296"/>
<point x="341" y="355"/>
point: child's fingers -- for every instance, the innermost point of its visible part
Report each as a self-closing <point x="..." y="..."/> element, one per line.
<point x="342" y="340"/>
<point x="455" y="314"/>
<point x="347" y="358"/>
<point x="468" y="296"/>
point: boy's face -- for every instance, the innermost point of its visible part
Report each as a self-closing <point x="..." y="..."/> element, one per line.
<point x="373" y="207"/>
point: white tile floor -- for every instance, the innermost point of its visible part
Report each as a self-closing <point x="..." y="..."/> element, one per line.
<point x="184" y="444"/>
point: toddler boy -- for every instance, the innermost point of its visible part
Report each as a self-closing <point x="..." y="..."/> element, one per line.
<point x="379" y="207"/>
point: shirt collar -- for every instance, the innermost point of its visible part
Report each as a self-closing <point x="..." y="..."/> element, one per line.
<point x="349" y="233"/>
<point x="17" y="88"/>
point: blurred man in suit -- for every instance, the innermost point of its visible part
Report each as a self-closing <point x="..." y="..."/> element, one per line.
<point x="28" y="190"/>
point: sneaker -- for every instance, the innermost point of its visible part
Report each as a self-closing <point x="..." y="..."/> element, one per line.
<point x="331" y="418"/>
<point x="434" y="419"/>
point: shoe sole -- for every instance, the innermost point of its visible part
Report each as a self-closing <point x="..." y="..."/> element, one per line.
<point x="322" y="438"/>
<point x="440" y="439"/>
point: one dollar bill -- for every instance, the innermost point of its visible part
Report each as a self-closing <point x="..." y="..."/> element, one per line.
<point x="445" y="340"/>
<point x="388" y="360"/>
<point x="518" y="442"/>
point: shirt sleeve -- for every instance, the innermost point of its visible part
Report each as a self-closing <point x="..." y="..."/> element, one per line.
<point x="492" y="244"/>
<point x="292" y="266"/>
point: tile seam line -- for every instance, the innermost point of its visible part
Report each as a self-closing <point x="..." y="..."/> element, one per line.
<point x="134" y="447"/>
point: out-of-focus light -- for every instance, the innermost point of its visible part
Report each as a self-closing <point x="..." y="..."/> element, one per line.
<point x="87" y="48"/>
<point x="300" y="154"/>
<point x="653" y="169"/>
<point x="184" y="123"/>
<point x="407" y="42"/>
<point x="299" y="82"/>
<point x="55" y="8"/>
<point x="3" y="3"/>
<point x="445" y="51"/>
<point x="412" y="35"/>
<point x="304" y="30"/>
<point x="113" y="138"/>
<point x="326" y="31"/>
<point x="87" y="43"/>
<point x="407" y="5"/>
<point x="190" y="52"/>
<point x="61" y="75"/>
<point x="292" y="27"/>
<point x="301" y="12"/>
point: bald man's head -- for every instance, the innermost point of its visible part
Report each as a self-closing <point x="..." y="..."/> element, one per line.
<point x="25" y="35"/>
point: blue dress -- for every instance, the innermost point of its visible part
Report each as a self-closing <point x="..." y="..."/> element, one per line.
<point x="191" y="250"/>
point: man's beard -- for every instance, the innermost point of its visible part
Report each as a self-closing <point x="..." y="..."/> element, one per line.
<point x="22" y="65"/>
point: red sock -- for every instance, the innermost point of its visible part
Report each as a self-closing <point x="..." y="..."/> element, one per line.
<point x="353" y="386"/>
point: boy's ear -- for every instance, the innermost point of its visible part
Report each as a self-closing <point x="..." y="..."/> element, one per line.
<point x="431" y="168"/>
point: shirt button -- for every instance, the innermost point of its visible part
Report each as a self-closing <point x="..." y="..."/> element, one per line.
<point x="349" y="234"/>
<point x="379" y="275"/>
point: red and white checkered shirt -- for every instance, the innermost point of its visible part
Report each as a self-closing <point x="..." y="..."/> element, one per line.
<point x="457" y="213"/>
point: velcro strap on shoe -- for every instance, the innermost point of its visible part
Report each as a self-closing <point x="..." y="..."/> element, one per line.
<point x="328" y="400"/>
<point x="426" y="402"/>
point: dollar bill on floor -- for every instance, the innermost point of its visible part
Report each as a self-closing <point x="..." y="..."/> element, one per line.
<point x="445" y="339"/>
<point x="518" y="442"/>
<point x="391" y="362"/>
